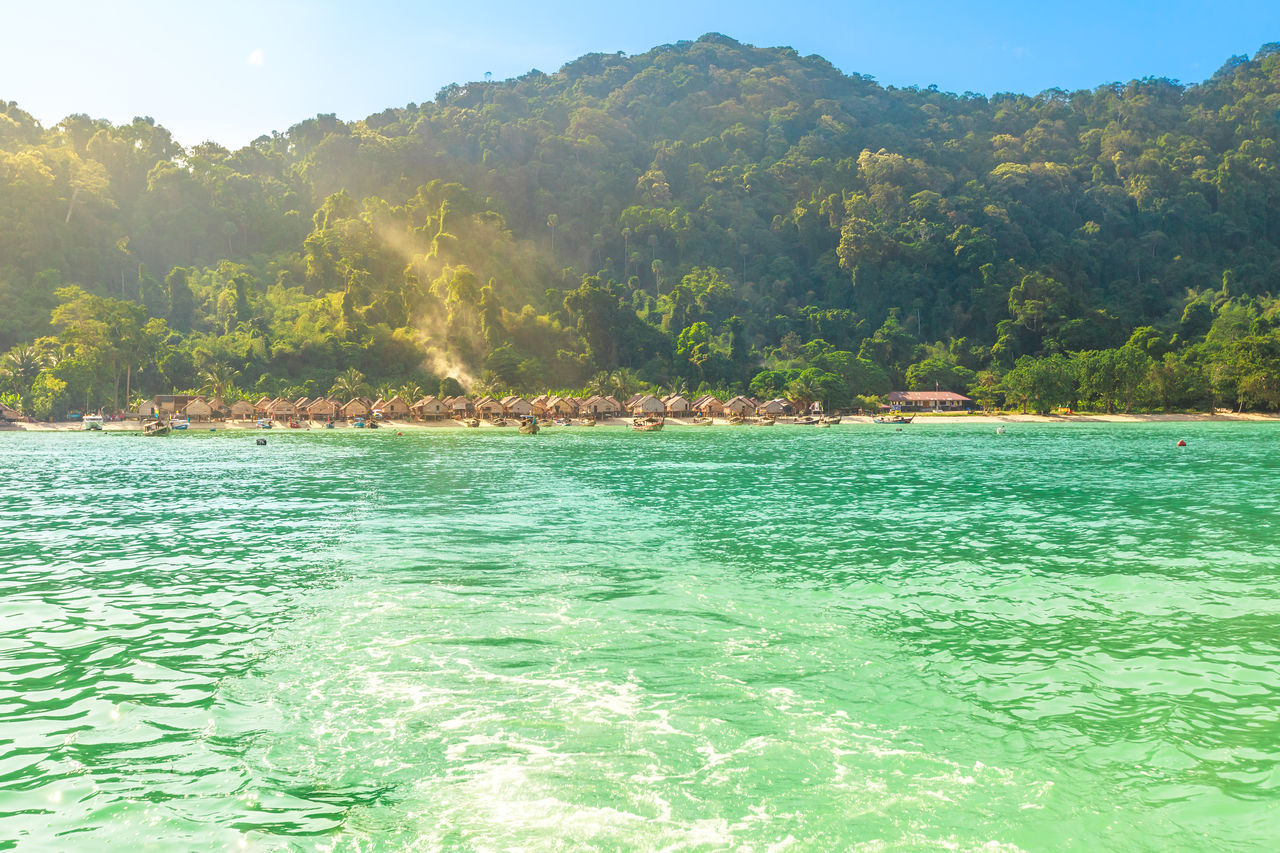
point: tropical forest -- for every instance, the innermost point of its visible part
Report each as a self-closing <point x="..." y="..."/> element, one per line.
<point x="708" y="216"/>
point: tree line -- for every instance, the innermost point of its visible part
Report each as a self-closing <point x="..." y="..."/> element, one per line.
<point x="706" y="215"/>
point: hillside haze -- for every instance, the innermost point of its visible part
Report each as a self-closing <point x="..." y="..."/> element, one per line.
<point x="708" y="215"/>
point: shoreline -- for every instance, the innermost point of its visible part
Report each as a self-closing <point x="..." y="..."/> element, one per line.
<point x="680" y="423"/>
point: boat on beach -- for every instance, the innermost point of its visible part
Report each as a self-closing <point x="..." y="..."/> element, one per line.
<point x="156" y="428"/>
<point x="892" y="419"/>
<point x="830" y="419"/>
<point x="528" y="426"/>
<point x="179" y="424"/>
<point x="805" y="421"/>
<point x="91" y="423"/>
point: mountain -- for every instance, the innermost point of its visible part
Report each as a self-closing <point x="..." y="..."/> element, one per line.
<point x="707" y="213"/>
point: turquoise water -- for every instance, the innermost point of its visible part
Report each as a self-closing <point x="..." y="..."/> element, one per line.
<point x="1062" y="638"/>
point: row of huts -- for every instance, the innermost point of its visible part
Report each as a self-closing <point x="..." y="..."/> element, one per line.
<point x="200" y="408"/>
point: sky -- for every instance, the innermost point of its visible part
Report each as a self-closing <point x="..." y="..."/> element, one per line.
<point x="234" y="70"/>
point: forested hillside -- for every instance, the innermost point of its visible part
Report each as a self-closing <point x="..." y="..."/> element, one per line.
<point x="706" y="214"/>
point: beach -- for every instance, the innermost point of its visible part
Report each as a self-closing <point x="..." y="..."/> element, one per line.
<point x="921" y="419"/>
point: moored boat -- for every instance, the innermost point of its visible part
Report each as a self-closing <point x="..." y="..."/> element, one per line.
<point x="528" y="426"/>
<point x="91" y="423"/>
<point x="892" y="419"/>
<point x="156" y="428"/>
<point x="647" y="424"/>
<point x="831" y="419"/>
<point x="471" y="422"/>
<point x="179" y="424"/>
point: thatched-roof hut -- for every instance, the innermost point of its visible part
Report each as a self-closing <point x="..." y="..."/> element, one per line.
<point x="281" y="408"/>
<point x="598" y="406"/>
<point x="323" y="409"/>
<point x="242" y="410"/>
<point x="561" y="407"/>
<point x="709" y="406"/>
<point x="648" y="405"/>
<point x="776" y="406"/>
<point x="518" y="406"/>
<point x="487" y="407"/>
<point x="429" y="408"/>
<point x="740" y="406"/>
<point x="198" y="410"/>
<point x="677" y="405"/>
<point x="459" y="406"/>
<point x="356" y="408"/>
<point x="396" y="407"/>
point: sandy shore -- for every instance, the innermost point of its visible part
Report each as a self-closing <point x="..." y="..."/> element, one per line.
<point x="924" y="418"/>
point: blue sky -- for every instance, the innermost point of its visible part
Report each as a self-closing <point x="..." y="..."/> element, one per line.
<point x="230" y="71"/>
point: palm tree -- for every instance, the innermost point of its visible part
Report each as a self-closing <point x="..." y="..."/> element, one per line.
<point x="349" y="385"/>
<point x="801" y="392"/>
<point x="20" y="366"/>
<point x="412" y="392"/>
<point x="217" y="379"/>
<point x="386" y="391"/>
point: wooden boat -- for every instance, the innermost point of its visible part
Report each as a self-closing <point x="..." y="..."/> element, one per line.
<point x="702" y="422"/>
<point x="892" y="419"/>
<point x="156" y="428"/>
<point x="762" y="422"/>
<point x="831" y="419"/>
<point x="647" y="424"/>
<point x="735" y="420"/>
<point x="805" y="421"/>
<point x="471" y="422"/>
<point x="564" y="422"/>
<point x="528" y="426"/>
<point x="500" y="422"/>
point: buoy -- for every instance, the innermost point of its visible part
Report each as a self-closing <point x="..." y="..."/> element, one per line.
<point x="1181" y="443"/>
<point x="262" y="442"/>
<point x="399" y="433"/>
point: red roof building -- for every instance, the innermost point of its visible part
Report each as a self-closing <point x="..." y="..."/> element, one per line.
<point x="928" y="401"/>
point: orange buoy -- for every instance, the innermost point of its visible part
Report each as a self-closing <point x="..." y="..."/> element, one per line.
<point x="1181" y="443"/>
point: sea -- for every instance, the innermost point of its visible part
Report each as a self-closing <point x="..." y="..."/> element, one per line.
<point x="934" y="637"/>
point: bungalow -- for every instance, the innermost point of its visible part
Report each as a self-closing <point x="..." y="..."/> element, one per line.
<point x="924" y="401"/>
<point x="219" y="407"/>
<point x="198" y="410"/>
<point x="281" y="408"/>
<point x="261" y="406"/>
<point x="539" y="406"/>
<point x="776" y="406"/>
<point x="243" y="410"/>
<point x="517" y="406"/>
<point x="741" y="406"/>
<point x="459" y="406"/>
<point x="356" y="408"/>
<point x="561" y="407"/>
<point x="302" y="402"/>
<point x="597" y="406"/>
<point x="632" y="400"/>
<point x="396" y="407"/>
<point x="487" y="407"/>
<point x="171" y="403"/>
<point x="648" y="405"/>
<point x="148" y="409"/>
<point x="709" y="407"/>
<point x="430" y="408"/>
<point x="321" y="409"/>
<point x="616" y="407"/>
<point x="677" y="405"/>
